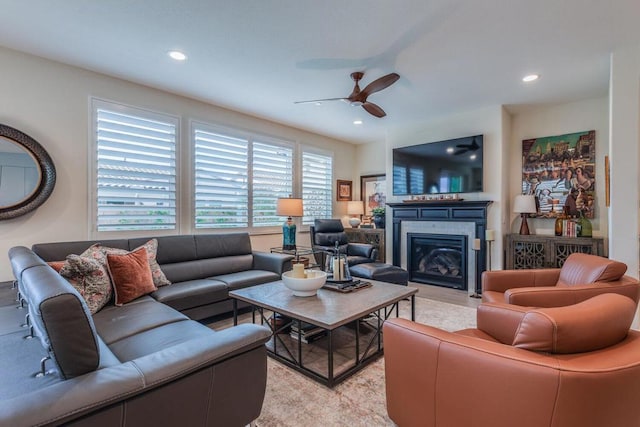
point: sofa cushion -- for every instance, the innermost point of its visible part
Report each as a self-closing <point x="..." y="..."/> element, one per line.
<point x="116" y="323"/>
<point x="203" y="268"/>
<point x="243" y="279"/>
<point x="158" y="338"/>
<point x="171" y="249"/>
<point x="58" y="251"/>
<point x="90" y="278"/>
<point x="130" y="274"/>
<point x="222" y="245"/>
<point x="580" y="269"/>
<point x="192" y="293"/>
<point x="596" y="323"/>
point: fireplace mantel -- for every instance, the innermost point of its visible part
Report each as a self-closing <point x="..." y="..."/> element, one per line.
<point x="474" y="211"/>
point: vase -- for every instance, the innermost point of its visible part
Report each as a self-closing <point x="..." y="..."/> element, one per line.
<point x="586" y="228"/>
<point x="379" y="221"/>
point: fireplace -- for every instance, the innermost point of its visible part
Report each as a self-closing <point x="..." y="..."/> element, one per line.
<point x="437" y="259"/>
<point x="451" y="218"/>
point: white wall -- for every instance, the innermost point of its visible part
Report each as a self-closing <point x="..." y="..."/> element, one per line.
<point x="494" y="124"/>
<point x="536" y="122"/>
<point x="624" y="110"/>
<point x="49" y="101"/>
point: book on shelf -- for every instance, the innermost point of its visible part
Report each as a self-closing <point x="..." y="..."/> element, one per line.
<point x="307" y="328"/>
<point x="308" y="337"/>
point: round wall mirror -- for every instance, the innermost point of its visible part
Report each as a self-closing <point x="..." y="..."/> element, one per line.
<point x="27" y="173"/>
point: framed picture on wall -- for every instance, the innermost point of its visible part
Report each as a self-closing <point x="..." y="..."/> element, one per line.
<point x="560" y="172"/>
<point x="373" y="192"/>
<point x="344" y="190"/>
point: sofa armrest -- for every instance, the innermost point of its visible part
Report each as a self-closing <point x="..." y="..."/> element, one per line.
<point x="82" y="395"/>
<point x="562" y="295"/>
<point x="278" y="263"/>
<point x="502" y="280"/>
<point x="499" y="320"/>
<point x="427" y="369"/>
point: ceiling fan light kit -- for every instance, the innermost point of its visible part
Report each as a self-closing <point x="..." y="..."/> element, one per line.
<point x="359" y="97"/>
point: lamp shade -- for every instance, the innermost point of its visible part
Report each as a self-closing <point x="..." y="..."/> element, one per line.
<point x="289" y="207"/>
<point x="355" y="207"/>
<point x="524" y="204"/>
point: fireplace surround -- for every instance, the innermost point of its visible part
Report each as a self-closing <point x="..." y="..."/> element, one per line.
<point x="451" y="217"/>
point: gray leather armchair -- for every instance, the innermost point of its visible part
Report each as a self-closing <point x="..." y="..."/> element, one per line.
<point x="326" y="232"/>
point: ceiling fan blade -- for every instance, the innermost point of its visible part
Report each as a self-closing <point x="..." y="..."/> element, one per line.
<point x="378" y="84"/>
<point x="461" y="151"/>
<point x="320" y="100"/>
<point x="373" y="109"/>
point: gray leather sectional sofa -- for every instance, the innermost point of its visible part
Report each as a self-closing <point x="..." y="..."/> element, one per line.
<point x="146" y="362"/>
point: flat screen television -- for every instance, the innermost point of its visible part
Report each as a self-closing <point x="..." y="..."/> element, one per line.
<point x="452" y="166"/>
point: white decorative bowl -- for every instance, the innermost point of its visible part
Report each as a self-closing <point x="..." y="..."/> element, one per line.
<point x="306" y="287"/>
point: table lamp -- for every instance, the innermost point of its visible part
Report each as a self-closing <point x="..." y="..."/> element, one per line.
<point x="355" y="208"/>
<point x="289" y="207"/>
<point x="524" y="205"/>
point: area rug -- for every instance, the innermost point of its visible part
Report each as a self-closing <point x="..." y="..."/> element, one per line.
<point x="295" y="400"/>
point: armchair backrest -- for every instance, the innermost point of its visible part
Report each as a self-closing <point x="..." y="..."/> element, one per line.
<point x="581" y="269"/>
<point x="326" y="232"/>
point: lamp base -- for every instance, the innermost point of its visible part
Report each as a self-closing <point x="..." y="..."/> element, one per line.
<point x="524" y="227"/>
<point x="289" y="235"/>
<point x="354" y="222"/>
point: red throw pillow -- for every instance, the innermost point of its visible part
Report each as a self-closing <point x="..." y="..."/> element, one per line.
<point x="131" y="275"/>
<point x="56" y="265"/>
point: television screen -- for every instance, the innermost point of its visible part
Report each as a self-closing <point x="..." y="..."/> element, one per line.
<point x="452" y="166"/>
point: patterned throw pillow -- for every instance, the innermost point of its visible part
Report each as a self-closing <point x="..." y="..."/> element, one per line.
<point x="90" y="279"/>
<point x="130" y="274"/>
<point x="99" y="252"/>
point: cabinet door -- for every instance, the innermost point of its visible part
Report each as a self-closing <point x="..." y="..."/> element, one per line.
<point x="529" y="254"/>
<point x="563" y="249"/>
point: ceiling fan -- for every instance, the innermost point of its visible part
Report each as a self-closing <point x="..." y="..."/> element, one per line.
<point x="463" y="148"/>
<point x="359" y="97"/>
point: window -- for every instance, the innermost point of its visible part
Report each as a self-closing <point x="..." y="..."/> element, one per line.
<point x="317" y="188"/>
<point x="239" y="177"/>
<point x="135" y="168"/>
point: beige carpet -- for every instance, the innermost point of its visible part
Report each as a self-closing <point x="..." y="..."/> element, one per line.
<point x="295" y="400"/>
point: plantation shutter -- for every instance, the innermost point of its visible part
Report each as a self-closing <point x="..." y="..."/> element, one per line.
<point x="221" y="180"/>
<point x="136" y="170"/>
<point x="317" y="194"/>
<point x="272" y="178"/>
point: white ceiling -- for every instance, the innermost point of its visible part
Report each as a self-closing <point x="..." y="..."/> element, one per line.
<point x="259" y="56"/>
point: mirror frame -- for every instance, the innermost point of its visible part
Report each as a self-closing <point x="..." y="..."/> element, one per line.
<point x="47" y="174"/>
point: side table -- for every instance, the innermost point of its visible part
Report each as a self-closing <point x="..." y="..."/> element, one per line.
<point x="300" y="253"/>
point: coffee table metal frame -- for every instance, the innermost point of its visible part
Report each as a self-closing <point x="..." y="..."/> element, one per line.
<point x="275" y="298"/>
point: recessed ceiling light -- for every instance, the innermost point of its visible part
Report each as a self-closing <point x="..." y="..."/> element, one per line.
<point x="450" y="150"/>
<point x="530" y="78"/>
<point x="177" y="55"/>
<point x="473" y="157"/>
<point x="357" y="122"/>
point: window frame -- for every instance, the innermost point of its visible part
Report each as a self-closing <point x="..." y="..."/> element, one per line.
<point x="251" y="137"/>
<point x="303" y="148"/>
<point x="146" y="113"/>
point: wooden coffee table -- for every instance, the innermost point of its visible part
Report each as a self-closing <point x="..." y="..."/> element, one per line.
<point x="352" y="324"/>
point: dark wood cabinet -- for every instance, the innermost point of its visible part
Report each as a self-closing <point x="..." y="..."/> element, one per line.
<point x="539" y="251"/>
<point x="372" y="236"/>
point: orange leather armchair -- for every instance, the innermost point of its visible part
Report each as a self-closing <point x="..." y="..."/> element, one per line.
<point x="582" y="276"/>
<point x="573" y="366"/>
